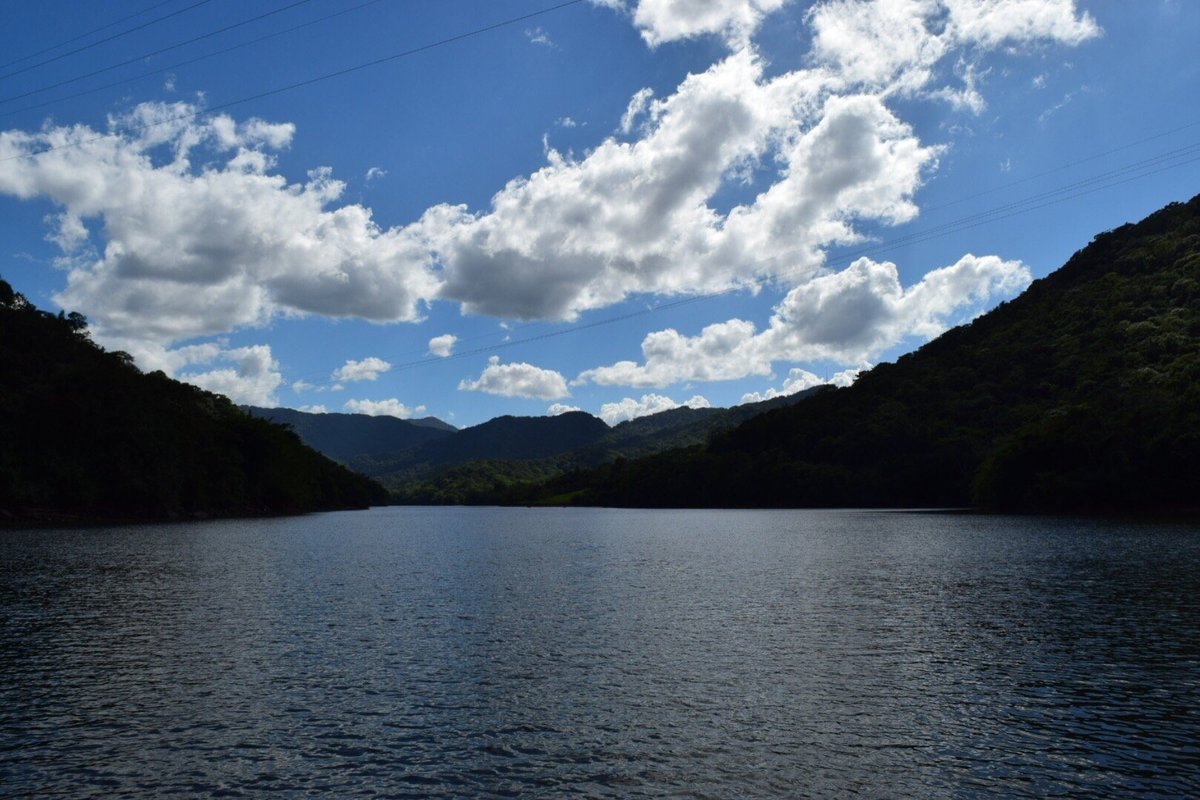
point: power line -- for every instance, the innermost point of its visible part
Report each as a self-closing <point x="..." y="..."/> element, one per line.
<point x="190" y="61"/>
<point x="1061" y="167"/>
<point x="105" y="40"/>
<point x="112" y="24"/>
<point x="311" y="81"/>
<point x="153" y="53"/>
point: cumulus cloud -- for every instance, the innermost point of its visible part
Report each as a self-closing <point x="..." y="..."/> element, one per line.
<point x="199" y="238"/>
<point x="251" y="380"/>
<point x="661" y="21"/>
<point x="517" y="380"/>
<point x="382" y="408"/>
<point x="895" y="45"/>
<point x="196" y="235"/>
<point x="800" y="379"/>
<point x="848" y="317"/>
<point x="442" y="345"/>
<point x="635" y="217"/>
<point x="368" y="369"/>
<point x="559" y="408"/>
<point x="628" y="408"/>
<point x="317" y="409"/>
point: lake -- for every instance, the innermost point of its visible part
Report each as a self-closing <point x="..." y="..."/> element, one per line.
<point x="464" y="652"/>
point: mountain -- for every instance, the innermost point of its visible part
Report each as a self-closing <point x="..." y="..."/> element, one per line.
<point x="353" y="438"/>
<point x="1081" y="394"/>
<point x="482" y="465"/>
<point x="86" y="435"/>
<point x="504" y="438"/>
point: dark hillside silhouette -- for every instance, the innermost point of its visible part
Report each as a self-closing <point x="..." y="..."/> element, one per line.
<point x="1081" y="394"/>
<point x="83" y="433"/>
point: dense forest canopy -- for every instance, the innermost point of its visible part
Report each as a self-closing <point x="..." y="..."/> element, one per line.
<point x="85" y="433"/>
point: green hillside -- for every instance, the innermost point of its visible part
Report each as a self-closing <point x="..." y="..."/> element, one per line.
<point x="85" y="435"/>
<point x="1082" y="394"/>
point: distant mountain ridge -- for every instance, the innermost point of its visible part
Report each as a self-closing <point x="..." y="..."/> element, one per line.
<point x="346" y="436"/>
<point x="431" y="462"/>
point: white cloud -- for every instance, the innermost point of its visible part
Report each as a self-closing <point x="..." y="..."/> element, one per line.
<point x="628" y="408"/>
<point x="67" y="231"/>
<point x="302" y="386"/>
<point x="895" y="45"/>
<point x="368" y="369"/>
<point x="374" y="174"/>
<point x="517" y="380"/>
<point x="634" y="217"/>
<point x="383" y="408"/>
<point x="538" y="36"/>
<point x="800" y="379"/>
<point x="566" y="122"/>
<point x="637" y="106"/>
<point x="197" y="250"/>
<point x="317" y="409"/>
<point x="662" y="21"/>
<point x="200" y="237"/>
<point x="251" y="381"/>
<point x="559" y="408"/>
<point x="442" y="345"/>
<point x="848" y="317"/>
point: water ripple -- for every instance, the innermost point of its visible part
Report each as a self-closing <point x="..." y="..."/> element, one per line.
<point x="547" y="653"/>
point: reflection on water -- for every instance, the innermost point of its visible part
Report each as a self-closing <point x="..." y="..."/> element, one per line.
<point x="485" y="652"/>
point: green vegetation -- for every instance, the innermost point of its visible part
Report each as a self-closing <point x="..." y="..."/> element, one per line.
<point x="86" y="435"/>
<point x="1082" y="394"/>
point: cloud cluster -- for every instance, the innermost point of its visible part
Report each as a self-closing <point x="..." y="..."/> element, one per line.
<point x="368" y="369"/>
<point x="560" y="408"/>
<point x="443" y="345"/>
<point x="197" y="235"/>
<point x="517" y="379"/>
<point x="800" y="379"/>
<point x="661" y="21"/>
<point x="194" y="249"/>
<point x="629" y="408"/>
<point x="383" y="408"/>
<point x="849" y="317"/>
<point x="251" y="379"/>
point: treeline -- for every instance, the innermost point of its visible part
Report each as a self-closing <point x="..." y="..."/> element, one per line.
<point x="1081" y="394"/>
<point x="85" y="433"/>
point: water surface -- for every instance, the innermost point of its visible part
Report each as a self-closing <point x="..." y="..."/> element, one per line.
<point x="516" y="652"/>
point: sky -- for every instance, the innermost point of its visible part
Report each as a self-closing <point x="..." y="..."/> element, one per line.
<point x="470" y="208"/>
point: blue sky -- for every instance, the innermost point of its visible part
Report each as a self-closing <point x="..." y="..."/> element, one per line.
<point x="613" y="206"/>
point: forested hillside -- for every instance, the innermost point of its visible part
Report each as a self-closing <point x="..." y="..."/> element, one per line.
<point x="84" y="434"/>
<point x="1083" y="393"/>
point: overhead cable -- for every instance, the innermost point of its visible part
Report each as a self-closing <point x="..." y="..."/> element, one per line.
<point x="107" y="39"/>
<point x="92" y="32"/>
<point x="310" y="81"/>
<point x="190" y="61"/>
<point x="151" y="54"/>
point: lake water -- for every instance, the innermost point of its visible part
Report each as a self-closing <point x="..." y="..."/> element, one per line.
<point x="542" y="653"/>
